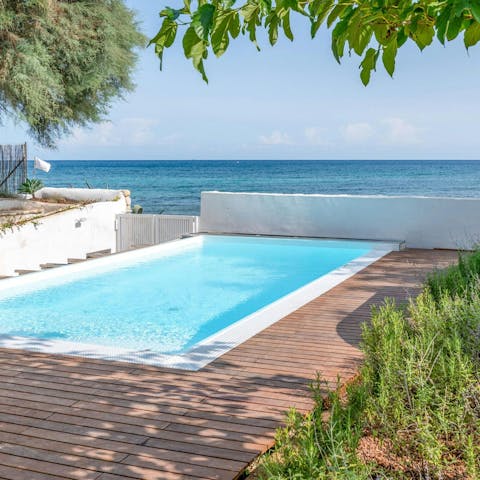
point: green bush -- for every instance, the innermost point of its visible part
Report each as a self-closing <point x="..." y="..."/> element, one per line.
<point x="455" y="280"/>
<point x="30" y="186"/>
<point x="414" y="410"/>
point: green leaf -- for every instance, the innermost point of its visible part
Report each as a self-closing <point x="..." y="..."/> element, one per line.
<point x="191" y="42"/>
<point x="290" y="5"/>
<point x="460" y="6"/>
<point x="472" y="35"/>
<point x="272" y="22"/>
<point x="164" y="38"/>
<point x="225" y="23"/>
<point x="265" y="6"/>
<point x="359" y="34"/>
<point x="235" y="26"/>
<point x="319" y="9"/>
<point x="249" y="10"/>
<point x="195" y="48"/>
<point x="339" y="36"/>
<point x="381" y="32"/>
<point x="286" y="26"/>
<point x="170" y="13"/>
<point x="475" y="9"/>
<point x="401" y="37"/>
<point x="442" y="24"/>
<point x="423" y="34"/>
<point x="368" y="64"/>
<point x="454" y="27"/>
<point x="338" y="46"/>
<point x="335" y="13"/>
<point x="388" y="56"/>
<point x="203" y="20"/>
<point x="251" y="15"/>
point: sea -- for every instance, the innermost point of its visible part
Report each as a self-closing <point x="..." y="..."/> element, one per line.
<point x="174" y="187"/>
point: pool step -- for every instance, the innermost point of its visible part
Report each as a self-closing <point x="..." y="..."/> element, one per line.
<point x="99" y="253"/>
<point x="75" y="260"/>
<point x="24" y="272"/>
<point x="50" y="265"/>
<point x="45" y="266"/>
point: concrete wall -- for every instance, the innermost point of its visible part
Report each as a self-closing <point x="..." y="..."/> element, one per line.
<point x="82" y="194"/>
<point x="55" y="238"/>
<point x="422" y="222"/>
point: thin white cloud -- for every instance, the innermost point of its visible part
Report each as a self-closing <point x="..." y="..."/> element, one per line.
<point x="315" y="136"/>
<point x="358" y="132"/>
<point x="128" y="132"/>
<point x="401" y="132"/>
<point x="276" y="138"/>
<point x="388" y="131"/>
<point x="99" y="135"/>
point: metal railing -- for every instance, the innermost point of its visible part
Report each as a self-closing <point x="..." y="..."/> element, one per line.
<point x="135" y="231"/>
<point x="13" y="167"/>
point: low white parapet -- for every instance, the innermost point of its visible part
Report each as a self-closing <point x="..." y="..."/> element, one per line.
<point x="422" y="222"/>
<point x="82" y="194"/>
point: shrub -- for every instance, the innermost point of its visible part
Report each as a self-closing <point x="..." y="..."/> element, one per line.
<point x="414" y="410"/>
<point x="455" y="280"/>
<point x="30" y="186"/>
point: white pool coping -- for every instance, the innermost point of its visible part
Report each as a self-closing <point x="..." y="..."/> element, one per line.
<point x="204" y="351"/>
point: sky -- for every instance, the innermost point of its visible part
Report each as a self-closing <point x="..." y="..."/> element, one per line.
<point x="292" y="101"/>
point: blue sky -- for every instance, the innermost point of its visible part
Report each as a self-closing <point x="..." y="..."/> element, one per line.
<point x="292" y="101"/>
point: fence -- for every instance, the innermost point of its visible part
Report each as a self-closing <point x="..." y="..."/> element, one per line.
<point x="140" y="230"/>
<point x="13" y="167"/>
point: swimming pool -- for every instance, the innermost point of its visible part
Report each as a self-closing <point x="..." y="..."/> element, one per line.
<point x="179" y="304"/>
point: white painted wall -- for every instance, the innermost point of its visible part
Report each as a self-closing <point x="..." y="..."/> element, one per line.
<point x="55" y="238"/>
<point x="422" y="222"/>
<point x="82" y="194"/>
<point x="11" y="203"/>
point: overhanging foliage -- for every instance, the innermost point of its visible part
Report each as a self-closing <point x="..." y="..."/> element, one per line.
<point x="63" y="62"/>
<point x="372" y="29"/>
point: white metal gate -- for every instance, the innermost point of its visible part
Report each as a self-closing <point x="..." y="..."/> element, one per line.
<point x="148" y="229"/>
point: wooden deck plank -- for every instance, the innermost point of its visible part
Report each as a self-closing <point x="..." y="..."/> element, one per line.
<point x="71" y="418"/>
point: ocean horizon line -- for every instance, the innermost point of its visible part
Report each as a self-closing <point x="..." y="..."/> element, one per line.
<point x="263" y="160"/>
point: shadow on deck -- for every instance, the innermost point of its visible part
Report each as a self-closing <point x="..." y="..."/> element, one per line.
<point x="64" y="417"/>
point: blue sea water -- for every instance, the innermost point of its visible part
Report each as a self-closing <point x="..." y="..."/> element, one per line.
<point x="174" y="186"/>
<point x="168" y="303"/>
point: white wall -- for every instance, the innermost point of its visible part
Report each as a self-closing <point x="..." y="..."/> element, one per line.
<point x="55" y="238"/>
<point x="422" y="222"/>
<point x="82" y="194"/>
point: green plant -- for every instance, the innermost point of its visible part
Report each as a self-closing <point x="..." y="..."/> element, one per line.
<point x="316" y="446"/>
<point x="31" y="186"/>
<point x="4" y="194"/>
<point x="372" y="29"/>
<point x="457" y="279"/>
<point x="62" y="63"/>
<point x="414" y="410"/>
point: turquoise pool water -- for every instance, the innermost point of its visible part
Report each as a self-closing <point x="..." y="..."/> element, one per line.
<point x="168" y="302"/>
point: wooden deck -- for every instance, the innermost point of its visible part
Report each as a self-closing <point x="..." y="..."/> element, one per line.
<point x="72" y="418"/>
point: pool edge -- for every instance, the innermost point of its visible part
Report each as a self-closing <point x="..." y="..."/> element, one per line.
<point x="219" y="343"/>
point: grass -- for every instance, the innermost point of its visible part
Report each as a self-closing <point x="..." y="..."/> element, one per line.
<point x="413" y="412"/>
<point x="4" y="194"/>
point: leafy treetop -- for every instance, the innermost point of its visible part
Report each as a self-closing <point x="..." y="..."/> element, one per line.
<point x="62" y="62"/>
<point x="372" y="29"/>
